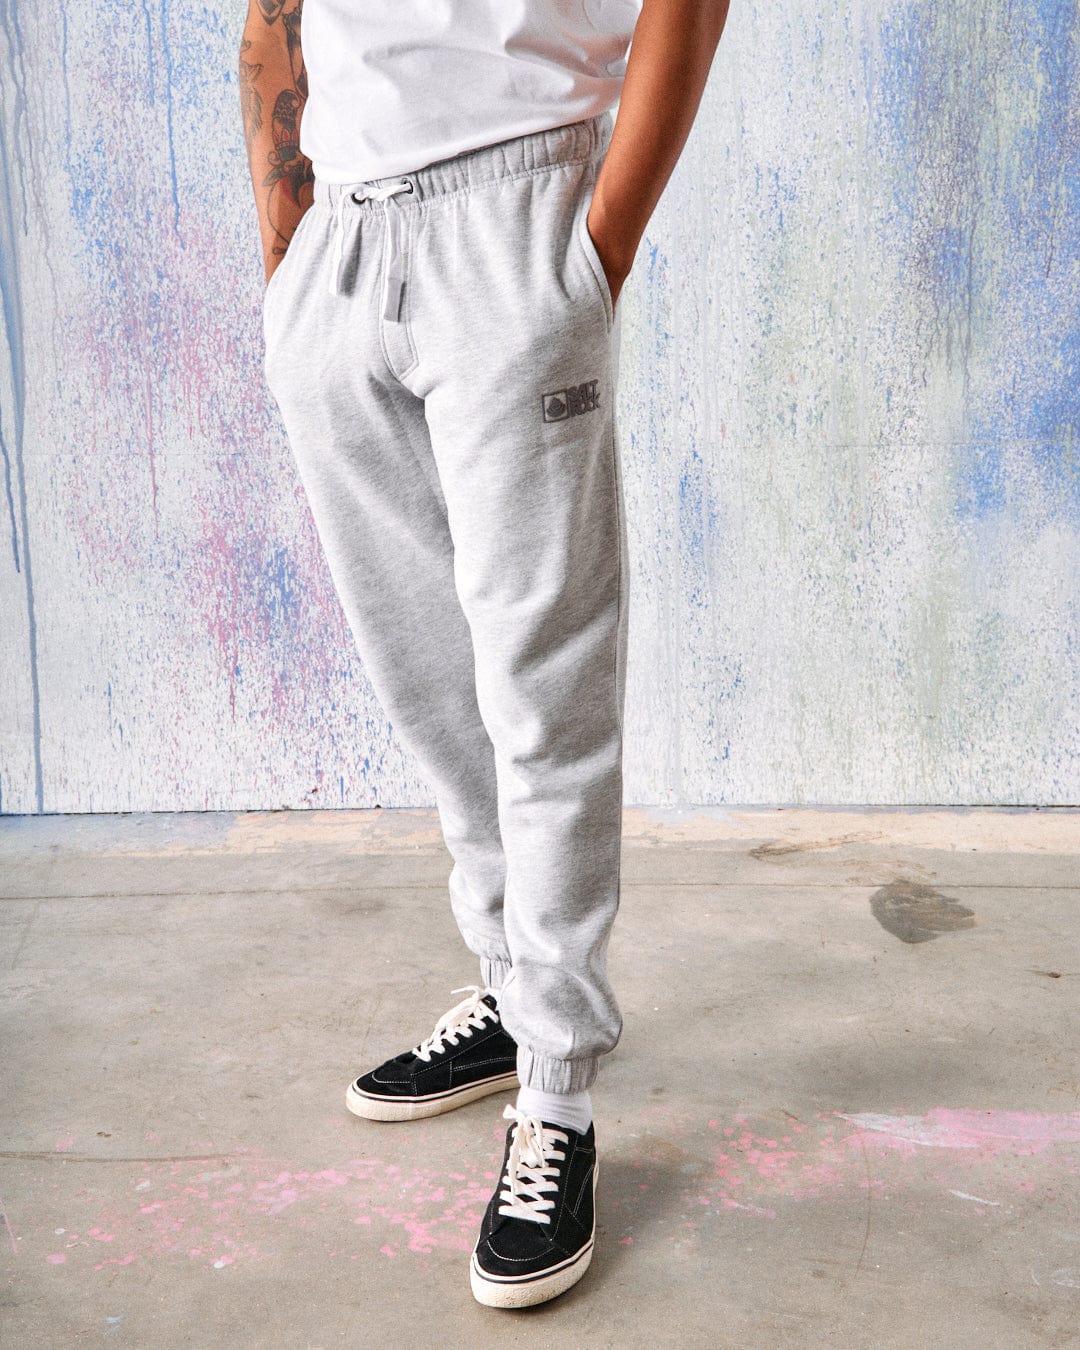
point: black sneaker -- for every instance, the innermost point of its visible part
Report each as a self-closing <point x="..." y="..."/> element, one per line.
<point x="536" y="1239"/>
<point x="467" y="1056"/>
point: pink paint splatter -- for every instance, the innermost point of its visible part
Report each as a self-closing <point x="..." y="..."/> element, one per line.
<point x="990" y="1131"/>
<point x="116" y="1261"/>
<point x="673" y="1165"/>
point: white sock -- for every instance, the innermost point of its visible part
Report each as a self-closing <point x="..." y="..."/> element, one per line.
<point x="570" y="1109"/>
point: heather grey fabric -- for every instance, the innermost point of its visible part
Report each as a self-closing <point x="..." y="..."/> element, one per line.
<point x="443" y="355"/>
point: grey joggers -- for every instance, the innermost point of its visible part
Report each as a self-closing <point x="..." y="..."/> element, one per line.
<point x="442" y="347"/>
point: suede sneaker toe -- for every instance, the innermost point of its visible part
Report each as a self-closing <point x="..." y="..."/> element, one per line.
<point x="537" y="1236"/>
<point x="467" y="1056"/>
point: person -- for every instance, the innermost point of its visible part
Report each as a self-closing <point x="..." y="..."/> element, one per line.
<point x="448" y="212"/>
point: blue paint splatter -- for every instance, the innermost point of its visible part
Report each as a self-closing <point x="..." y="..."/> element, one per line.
<point x="149" y="50"/>
<point x="992" y="240"/>
<point x="281" y="587"/>
<point x="16" y="170"/>
<point x="167" y="53"/>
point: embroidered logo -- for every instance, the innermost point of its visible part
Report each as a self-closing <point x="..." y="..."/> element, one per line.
<point x="564" y="403"/>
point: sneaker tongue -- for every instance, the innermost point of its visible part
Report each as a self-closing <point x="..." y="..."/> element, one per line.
<point x="489" y="999"/>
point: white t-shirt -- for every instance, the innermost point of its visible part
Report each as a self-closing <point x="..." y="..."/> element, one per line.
<point x="394" y="85"/>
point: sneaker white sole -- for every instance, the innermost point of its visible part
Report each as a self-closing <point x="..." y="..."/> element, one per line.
<point x="507" y="1291"/>
<point x="417" y="1108"/>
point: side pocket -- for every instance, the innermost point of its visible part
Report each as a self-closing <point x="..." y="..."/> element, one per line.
<point x="596" y="266"/>
<point x="271" y="285"/>
<point x="283" y="294"/>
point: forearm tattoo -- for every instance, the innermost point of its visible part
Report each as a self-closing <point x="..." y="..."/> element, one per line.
<point x="271" y="9"/>
<point x="250" y="98"/>
<point x="296" y="55"/>
<point x="289" y="172"/>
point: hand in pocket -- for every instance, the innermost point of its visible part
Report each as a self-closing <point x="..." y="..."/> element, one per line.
<point x="616" y="274"/>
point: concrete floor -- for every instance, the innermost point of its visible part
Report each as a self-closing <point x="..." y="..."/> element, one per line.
<point x="844" y="1111"/>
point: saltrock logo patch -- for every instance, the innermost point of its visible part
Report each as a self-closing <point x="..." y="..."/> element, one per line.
<point x="564" y="403"/>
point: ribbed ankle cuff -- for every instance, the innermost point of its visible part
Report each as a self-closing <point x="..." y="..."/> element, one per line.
<point x="555" y="1075"/>
<point x="493" y="971"/>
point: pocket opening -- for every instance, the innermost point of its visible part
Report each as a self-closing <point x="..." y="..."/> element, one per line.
<point x="269" y="285"/>
<point x="596" y="266"/>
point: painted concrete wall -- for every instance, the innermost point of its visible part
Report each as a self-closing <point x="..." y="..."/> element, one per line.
<point x="848" y="407"/>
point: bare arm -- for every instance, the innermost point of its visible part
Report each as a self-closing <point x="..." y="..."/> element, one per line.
<point x="273" y="91"/>
<point x="670" y="58"/>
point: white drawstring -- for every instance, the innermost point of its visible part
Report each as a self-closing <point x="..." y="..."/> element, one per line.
<point x="334" y="286"/>
<point x="529" y="1177"/>
<point x="470" y="1015"/>
<point x="395" y="280"/>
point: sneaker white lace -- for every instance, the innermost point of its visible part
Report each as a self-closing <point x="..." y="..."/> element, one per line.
<point x="529" y="1177"/>
<point x="461" y="1021"/>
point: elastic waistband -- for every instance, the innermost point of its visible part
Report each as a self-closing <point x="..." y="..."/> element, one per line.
<point x="574" y="143"/>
